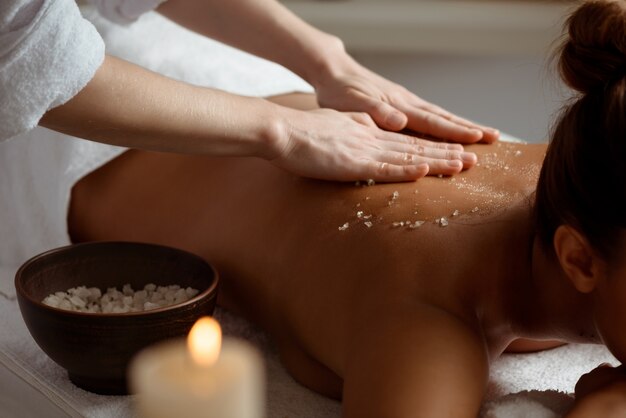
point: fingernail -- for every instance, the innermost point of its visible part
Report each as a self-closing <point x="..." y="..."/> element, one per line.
<point x="455" y="163"/>
<point x="605" y="365"/>
<point x="468" y="157"/>
<point x="492" y="131"/>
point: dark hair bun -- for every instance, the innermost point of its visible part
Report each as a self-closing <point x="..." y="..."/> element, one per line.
<point x="594" y="54"/>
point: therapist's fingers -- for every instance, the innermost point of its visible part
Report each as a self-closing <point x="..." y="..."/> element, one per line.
<point x="382" y="171"/>
<point x="430" y="149"/>
<point x="489" y="134"/>
<point x="418" y="145"/>
<point x="401" y="141"/>
<point x="385" y="115"/>
<point x="436" y="125"/>
<point x="409" y="154"/>
<point x="413" y="140"/>
<point x="425" y="117"/>
<point x="436" y="166"/>
<point x="421" y="118"/>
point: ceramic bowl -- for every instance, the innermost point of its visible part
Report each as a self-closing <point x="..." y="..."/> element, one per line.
<point x="96" y="349"/>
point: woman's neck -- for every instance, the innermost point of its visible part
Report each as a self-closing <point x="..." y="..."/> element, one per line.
<point x="560" y="310"/>
<point x="504" y="293"/>
<point x="537" y="300"/>
<point x="524" y="292"/>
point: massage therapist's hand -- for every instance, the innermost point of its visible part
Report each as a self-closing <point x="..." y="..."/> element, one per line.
<point x="601" y="393"/>
<point x="332" y="145"/>
<point x="321" y="59"/>
<point x="352" y="87"/>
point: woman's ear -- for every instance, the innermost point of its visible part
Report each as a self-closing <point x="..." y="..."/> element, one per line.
<point x="581" y="265"/>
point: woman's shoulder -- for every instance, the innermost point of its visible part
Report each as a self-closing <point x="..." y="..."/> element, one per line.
<point x="505" y="175"/>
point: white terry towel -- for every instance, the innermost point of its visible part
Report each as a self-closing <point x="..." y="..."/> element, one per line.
<point x="522" y="385"/>
<point x="125" y="11"/>
<point x="48" y="53"/>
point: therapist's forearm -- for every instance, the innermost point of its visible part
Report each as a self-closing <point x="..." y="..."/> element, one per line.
<point x="129" y="106"/>
<point x="264" y="28"/>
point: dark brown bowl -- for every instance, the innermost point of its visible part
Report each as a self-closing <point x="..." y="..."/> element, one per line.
<point x="96" y="349"/>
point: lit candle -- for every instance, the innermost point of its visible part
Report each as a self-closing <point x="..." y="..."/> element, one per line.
<point x="202" y="378"/>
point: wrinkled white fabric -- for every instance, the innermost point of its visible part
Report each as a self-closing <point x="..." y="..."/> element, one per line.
<point x="48" y="53"/>
<point x="37" y="172"/>
<point x="125" y="11"/>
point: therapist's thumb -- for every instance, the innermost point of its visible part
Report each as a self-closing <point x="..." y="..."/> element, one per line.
<point x="386" y="116"/>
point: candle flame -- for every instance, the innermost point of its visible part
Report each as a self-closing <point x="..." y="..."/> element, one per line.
<point x="205" y="341"/>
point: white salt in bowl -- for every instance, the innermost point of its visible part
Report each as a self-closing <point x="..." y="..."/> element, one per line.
<point x="96" y="348"/>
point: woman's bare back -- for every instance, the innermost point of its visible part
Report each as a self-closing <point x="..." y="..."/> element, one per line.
<point x="314" y="263"/>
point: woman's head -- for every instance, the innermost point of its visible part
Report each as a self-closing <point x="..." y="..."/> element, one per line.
<point x="580" y="207"/>
<point x="583" y="179"/>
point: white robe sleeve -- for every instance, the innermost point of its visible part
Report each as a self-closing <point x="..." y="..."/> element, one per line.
<point x="48" y="53"/>
<point x="125" y="11"/>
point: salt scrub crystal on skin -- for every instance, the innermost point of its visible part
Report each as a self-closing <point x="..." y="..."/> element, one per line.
<point x="393" y="198"/>
<point x="91" y="300"/>
<point x="443" y="222"/>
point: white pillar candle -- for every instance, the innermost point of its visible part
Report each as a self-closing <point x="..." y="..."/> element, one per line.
<point x="197" y="379"/>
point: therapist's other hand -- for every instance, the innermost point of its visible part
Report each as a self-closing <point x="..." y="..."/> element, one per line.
<point x="331" y="145"/>
<point x="354" y="88"/>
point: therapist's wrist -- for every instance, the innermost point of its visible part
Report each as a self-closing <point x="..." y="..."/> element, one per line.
<point x="329" y="60"/>
<point x="273" y="133"/>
